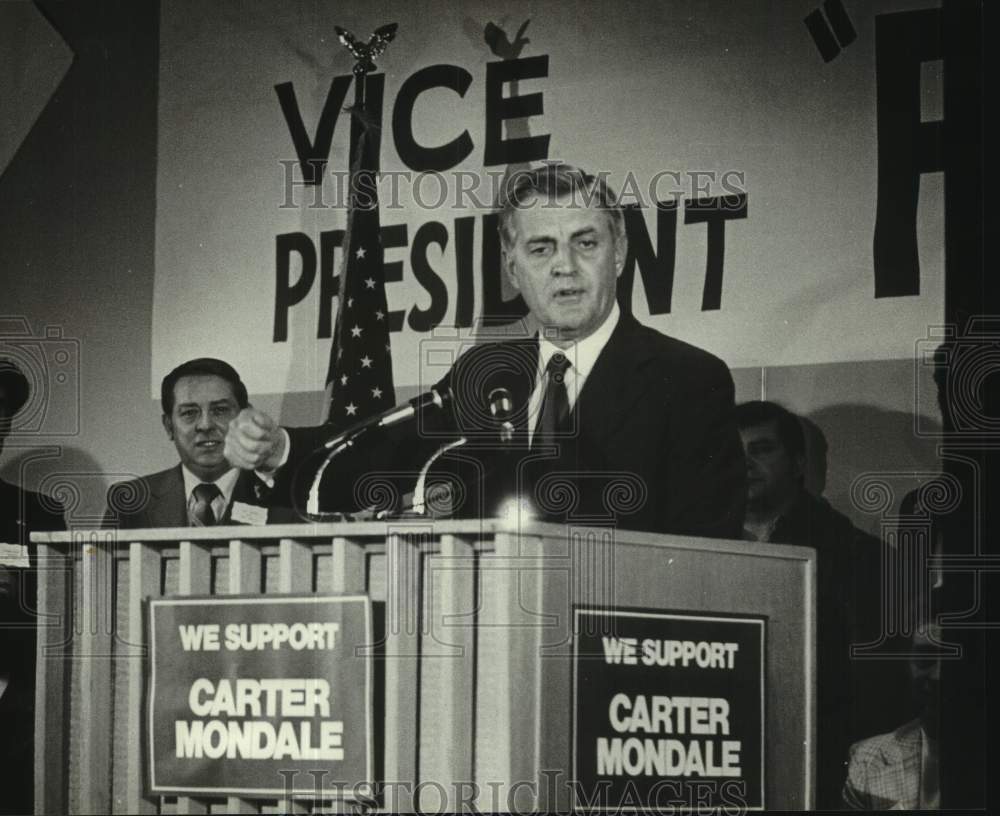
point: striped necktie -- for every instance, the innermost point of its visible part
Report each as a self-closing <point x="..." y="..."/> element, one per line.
<point x="555" y="402"/>
<point x="202" y="513"/>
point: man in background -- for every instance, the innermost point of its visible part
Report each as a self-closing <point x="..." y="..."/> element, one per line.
<point x="199" y="398"/>
<point x="900" y="770"/>
<point x="854" y="698"/>
<point x="21" y="513"/>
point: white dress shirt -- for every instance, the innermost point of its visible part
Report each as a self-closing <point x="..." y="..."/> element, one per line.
<point x="582" y="356"/>
<point x="226" y="484"/>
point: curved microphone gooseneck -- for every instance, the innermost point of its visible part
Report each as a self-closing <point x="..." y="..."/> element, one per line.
<point x="346" y="440"/>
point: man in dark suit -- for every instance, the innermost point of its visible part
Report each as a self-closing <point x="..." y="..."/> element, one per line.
<point x="853" y="697"/>
<point x="199" y="398"/>
<point x="613" y="421"/>
<point x="21" y="513"/>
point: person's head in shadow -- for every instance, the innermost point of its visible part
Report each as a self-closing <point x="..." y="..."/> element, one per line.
<point x="775" y="450"/>
<point x="14" y="393"/>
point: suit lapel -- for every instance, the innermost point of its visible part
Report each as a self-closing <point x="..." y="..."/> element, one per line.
<point x="614" y="373"/>
<point x="168" y="507"/>
<point x="613" y="385"/>
<point x="246" y="491"/>
<point x="521" y="388"/>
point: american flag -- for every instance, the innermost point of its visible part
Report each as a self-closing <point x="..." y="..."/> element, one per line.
<point x="359" y="378"/>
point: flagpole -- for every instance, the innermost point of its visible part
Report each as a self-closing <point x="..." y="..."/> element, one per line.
<point x="360" y="75"/>
<point x="355" y="358"/>
<point x="354" y="168"/>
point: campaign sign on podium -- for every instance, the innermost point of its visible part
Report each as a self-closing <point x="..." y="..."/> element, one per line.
<point x="668" y="710"/>
<point x="260" y="696"/>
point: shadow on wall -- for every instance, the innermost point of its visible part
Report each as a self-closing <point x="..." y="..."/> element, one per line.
<point x="68" y="474"/>
<point x="846" y="441"/>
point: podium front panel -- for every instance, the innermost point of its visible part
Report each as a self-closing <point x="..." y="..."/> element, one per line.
<point x="473" y="673"/>
<point x="533" y="584"/>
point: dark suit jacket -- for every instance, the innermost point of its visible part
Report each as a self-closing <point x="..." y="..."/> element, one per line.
<point x="159" y="500"/>
<point x="853" y="697"/>
<point x="653" y="444"/>
<point x="21" y="513"/>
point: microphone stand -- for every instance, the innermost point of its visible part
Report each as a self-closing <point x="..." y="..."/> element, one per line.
<point x="349" y="438"/>
<point x="500" y="403"/>
<point x="337" y="446"/>
<point x="418" y="506"/>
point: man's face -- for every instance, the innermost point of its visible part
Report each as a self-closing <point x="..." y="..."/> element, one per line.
<point x="773" y="474"/>
<point x="203" y="406"/>
<point x="565" y="261"/>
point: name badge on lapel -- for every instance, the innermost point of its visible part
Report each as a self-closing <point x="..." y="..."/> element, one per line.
<point x="248" y="514"/>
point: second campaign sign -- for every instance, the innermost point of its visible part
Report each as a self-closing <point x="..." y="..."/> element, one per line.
<point x="668" y="711"/>
<point x="260" y="696"/>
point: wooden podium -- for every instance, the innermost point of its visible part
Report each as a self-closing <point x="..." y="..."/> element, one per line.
<point x="477" y="689"/>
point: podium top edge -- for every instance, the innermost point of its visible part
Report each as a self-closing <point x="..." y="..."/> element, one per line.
<point x="374" y="531"/>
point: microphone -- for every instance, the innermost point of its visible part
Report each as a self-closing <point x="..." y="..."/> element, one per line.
<point x="501" y="407"/>
<point x="430" y="400"/>
<point x="401" y="413"/>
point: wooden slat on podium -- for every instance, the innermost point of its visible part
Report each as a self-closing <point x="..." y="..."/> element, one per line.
<point x="401" y="670"/>
<point x="52" y="679"/>
<point x="194" y="578"/>
<point x="95" y="670"/>
<point x="144" y="582"/>
<point x="294" y="575"/>
<point x="348" y="572"/>
<point x="448" y="675"/>
<point x="505" y="751"/>
<point x="245" y="566"/>
<point x="294" y="566"/>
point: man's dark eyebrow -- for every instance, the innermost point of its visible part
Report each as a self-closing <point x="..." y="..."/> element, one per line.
<point x="550" y="240"/>
<point x="224" y="401"/>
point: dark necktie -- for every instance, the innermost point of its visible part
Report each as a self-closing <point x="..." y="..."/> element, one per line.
<point x="202" y="513"/>
<point x="555" y="402"/>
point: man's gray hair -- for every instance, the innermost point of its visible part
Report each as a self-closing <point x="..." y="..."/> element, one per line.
<point x="557" y="181"/>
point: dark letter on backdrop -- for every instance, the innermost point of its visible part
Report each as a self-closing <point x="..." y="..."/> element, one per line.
<point x="313" y="155"/>
<point x="656" y="269"/>
<point x="287" y="294"/>
<point x="907" y="147"/>
<point x="715" y="212"/>
<point x="499" y="108"/>
<point x="414" y="155"/>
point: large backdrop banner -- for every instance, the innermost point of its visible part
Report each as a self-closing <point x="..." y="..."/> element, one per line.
<point x="779" y="161"/>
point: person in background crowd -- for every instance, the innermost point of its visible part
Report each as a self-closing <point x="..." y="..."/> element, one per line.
<point x="21" y="513"/>
<point x="900" y="770"/>
<point x="199" y="398"/>
<point x="852" y="696"/>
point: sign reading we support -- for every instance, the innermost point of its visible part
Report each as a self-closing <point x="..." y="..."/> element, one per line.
<point x="668" y="710"/>
<point x="260" y="696"/>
